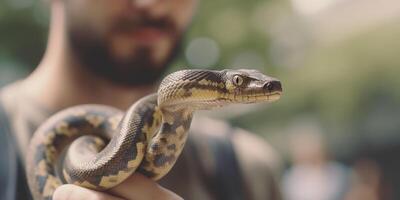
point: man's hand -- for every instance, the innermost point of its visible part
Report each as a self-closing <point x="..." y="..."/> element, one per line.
<point x="136" y="187"/>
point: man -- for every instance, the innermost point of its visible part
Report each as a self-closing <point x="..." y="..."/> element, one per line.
<point x="113" y="52"/>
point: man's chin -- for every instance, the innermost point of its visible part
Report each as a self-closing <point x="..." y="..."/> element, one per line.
<point x="133" y="66"/>
<point x="133" y="73"/>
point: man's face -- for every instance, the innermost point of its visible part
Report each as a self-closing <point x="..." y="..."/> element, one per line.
<point x="128" y="42"/>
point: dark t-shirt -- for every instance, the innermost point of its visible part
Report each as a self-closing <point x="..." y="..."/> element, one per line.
<point x="8" y="164"/>
<point x="214" y="163"/>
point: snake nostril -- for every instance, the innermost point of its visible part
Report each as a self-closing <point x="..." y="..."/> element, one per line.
<point x="268" y="86"/>
<point x="273" y="86"/>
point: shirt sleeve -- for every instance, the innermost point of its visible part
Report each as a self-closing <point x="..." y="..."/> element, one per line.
<point x="8" y="159"/>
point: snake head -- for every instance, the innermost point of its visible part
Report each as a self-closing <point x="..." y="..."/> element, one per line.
<point x="206" y="89"/>
<point x="250" y="86"/>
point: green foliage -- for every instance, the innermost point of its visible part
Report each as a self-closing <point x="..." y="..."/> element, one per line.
<point x="22" y="33"/>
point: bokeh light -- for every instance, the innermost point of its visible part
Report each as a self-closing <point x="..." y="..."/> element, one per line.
<point x="202" y="52"/>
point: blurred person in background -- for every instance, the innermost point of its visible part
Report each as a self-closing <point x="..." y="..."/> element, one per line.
<point x="113" y="53"/>
<point x="367" y="182"/>
<point x="313" y="176"/>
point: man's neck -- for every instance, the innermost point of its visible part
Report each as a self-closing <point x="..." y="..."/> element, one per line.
<point x="60" y="81"/>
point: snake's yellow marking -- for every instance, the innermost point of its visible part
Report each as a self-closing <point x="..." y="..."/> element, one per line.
<point x="66" y="176"/>
<point x="95" y="120"/>
<point x="42" y="168"/>
<point x="134" y="163"/>
<point x="181" y="91"/>
<point x="180" y="131"/>
<point x="112" y="180"/>
<point x="206" y="82"/>
<point x="86" y="184"/>
<point x="114" y="121"/>
<point x="202" y="94"/>
<point x="186" y="115"/>
<point x="150" y="128"/>
<point x="169" y="119"/>
<point x="51" y="154"/>
<point x="147" y="130"/>
<point x="51" y="184"/>
<point x="49" y="139"/>
<point x="63" y="129"/>
<point x="230" y="86"/>
<point x="96" y="145"/>
<point x="79" y="113"/>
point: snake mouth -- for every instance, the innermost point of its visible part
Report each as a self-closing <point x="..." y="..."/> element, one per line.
<point x="252" y="98"/>
<point x="274" y="96"/>
<point x="269" y="97"/>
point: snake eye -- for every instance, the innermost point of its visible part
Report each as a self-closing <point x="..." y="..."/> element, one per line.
<point x="238" y="80"/>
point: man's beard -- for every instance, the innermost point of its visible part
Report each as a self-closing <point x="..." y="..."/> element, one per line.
<point x="140" y="69"/>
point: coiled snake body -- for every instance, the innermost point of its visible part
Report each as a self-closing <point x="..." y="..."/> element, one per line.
<point x="98" y="146"/>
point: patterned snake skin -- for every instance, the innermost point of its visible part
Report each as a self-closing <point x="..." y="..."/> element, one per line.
<point x="98" y="147"/>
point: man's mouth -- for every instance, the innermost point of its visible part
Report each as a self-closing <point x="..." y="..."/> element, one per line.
<point x="148" y="35"/>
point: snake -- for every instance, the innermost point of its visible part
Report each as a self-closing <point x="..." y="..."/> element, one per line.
<point x="99" y="146"/>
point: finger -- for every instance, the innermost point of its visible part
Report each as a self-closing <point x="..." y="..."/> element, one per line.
<point x="139" y="187"/>
<point x="73" y="192"/>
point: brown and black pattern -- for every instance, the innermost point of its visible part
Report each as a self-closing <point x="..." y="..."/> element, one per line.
<point x="120" y="158"/>
<point x="51" y="139"/>
<point x="166" y="146"/>
<point x="103" y="147"/>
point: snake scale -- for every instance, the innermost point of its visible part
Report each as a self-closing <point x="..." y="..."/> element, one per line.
<point x="98" y="146"/>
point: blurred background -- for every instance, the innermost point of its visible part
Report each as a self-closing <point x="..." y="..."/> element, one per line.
<point x="337" y="127"/>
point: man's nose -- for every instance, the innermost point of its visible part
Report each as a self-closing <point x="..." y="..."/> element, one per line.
<point x="155" y="8"/>
<point x="143" y="3"/>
